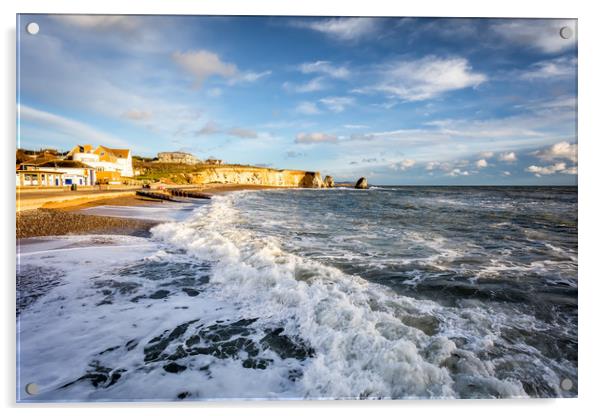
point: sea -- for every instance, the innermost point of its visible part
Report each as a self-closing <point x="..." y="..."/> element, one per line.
<point x="385" y="293"/>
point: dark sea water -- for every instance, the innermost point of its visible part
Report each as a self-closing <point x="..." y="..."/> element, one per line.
<point x="393" y="292"/>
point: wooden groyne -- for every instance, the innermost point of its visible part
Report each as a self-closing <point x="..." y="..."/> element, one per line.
<point x="155" y="195"/>
<point x="186" y="193"/>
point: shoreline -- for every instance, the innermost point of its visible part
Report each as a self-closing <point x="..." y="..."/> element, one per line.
<point x="63" y="217"/>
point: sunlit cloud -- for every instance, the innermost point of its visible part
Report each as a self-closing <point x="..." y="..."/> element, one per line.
<point x="508" y="157"/>
<point x="307" y="108"/>
<point x="341" y="28"/>
<point x="325" y="68"/>
<point x="562" y="150"/>
<point x="481" y="163"/>
<point x="202" y="64"/>
<point x="337" y="104"/>
<point x="425" y="78"/>
<point x="307" y="138"/>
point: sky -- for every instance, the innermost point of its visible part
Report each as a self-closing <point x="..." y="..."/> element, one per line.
<point x="406" y="101"/>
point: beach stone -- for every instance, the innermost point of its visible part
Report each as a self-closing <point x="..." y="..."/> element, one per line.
<point x="362" y="183"/>
<point x="174" y="368"/>
<point x="284" y="346"/>
<point x="328" y="181"/>
<point x="159" y="294"/>
<point x="191" y="292"/>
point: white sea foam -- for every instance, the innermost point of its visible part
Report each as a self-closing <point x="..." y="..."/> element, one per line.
<point x="62" y="334"/>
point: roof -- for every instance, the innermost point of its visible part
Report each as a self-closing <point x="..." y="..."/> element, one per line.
<point x="60" y="163"/>
<point x="80" y="148"/>
<point x="120" y="153"/>
<point x="86" y="148"/>
<point x="39" y="171"/>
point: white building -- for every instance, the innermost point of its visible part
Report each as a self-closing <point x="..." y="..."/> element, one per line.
<point x="110" y="164"/>
<point x="39" y="177"/>
<point x="56" y="173"/>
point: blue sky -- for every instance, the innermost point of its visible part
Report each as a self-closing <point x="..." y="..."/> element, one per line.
<point x="398" y="100"/>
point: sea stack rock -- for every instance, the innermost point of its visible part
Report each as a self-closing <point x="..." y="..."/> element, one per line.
<point x="362" y="183"/>
<point x="328" y="182"/>
<point x="312" y="180"/>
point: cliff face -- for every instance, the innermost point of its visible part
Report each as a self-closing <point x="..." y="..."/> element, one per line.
<point x="177" y="157"/>
<point x="249" y="175"/>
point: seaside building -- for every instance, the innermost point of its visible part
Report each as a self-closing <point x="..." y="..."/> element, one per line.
<point x="39" y="177"/>
<point x="110" y="164"/>
<point x="177" y="157"/>
<point x="56" y="173"/>
<point x="213" y="161"/>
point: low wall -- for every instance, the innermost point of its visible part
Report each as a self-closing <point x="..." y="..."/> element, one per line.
<point x="67" y="198"/>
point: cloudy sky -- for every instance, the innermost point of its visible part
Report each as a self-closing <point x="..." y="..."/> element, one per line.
<point x="399" y="100"/>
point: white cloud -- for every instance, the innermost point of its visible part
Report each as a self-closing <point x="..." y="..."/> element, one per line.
<point x="508" y="157"/>
<point x="403" y="165"/>
<point x="337" y="104"/>
<point x="458" y="172"/>
<point x="307" y="107"/>
<point x="551" y="69"/>
<point x="541" y="34"/>
<point x="315" y="138"/>
<point x="506" y="173"/>
<point x="432" y="165"/>
<point x="242" y="133"/>
<point x="314" y="84"/>
<point x="75" y="131"/>
<point x="203" y="64"/>
<point x="481" y="163"/>
<point x="428" y="77"/>
<point x="559" y="167"/>
<point x="562" y="150"/>
<point x="100" y="22"/>
<point x="293" y="154"/>
<point x="486" y="155"/>
<point x="209" y="128"/>
<point x="137" y="115"/>
<point x="324" y="68"/>
<point x="249" y="77"/>
<point x="355" y="126"/>
<point x="343" y="28"/>
<point x="450" y="168"/>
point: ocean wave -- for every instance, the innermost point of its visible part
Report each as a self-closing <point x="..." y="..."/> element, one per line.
<point x="363" y="347"/>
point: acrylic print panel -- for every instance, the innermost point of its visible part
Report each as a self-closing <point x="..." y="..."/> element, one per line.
<point x="310" y="208"/>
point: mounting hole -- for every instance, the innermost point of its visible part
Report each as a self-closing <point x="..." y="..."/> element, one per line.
<point x="566" y="32"/>
<point x="32" y="28"/>
<point x="566" y="384"/>
<point x="31" y="389"/>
